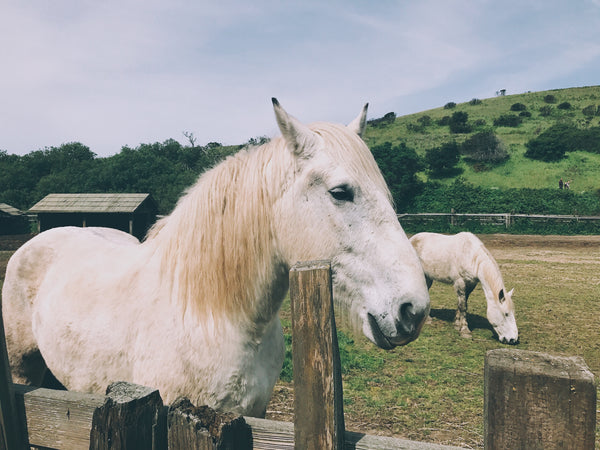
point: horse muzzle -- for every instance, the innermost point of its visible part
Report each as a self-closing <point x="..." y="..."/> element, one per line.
<point x="387" y="334"/>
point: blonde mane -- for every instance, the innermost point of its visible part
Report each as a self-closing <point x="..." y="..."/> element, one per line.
<point x="216" y="247"/>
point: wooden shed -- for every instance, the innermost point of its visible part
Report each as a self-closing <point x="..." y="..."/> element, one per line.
<point x="132" y="213"/>
<point x="12" y="220"/>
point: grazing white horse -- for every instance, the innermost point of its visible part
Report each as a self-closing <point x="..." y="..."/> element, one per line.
<point x="193" y="310"/>
<point x="462" y="261"/>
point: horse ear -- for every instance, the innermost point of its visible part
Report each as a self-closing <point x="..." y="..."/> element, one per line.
<point x="359" y="124"/>
<point x="510" y="293"/>
<point x="298" y="136"/>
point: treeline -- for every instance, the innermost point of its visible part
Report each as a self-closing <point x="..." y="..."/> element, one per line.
<point x="161" y="169"/>
<point x="166" y="169"/>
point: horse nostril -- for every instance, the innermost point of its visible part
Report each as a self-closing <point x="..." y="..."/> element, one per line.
<point x="406" y="321"/>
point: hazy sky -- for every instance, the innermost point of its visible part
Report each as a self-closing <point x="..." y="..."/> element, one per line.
<point x="113" y="73"/>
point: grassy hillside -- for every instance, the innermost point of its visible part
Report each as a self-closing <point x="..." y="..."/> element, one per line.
<point x="518" y="171"/>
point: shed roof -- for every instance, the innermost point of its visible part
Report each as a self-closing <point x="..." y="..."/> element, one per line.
<point x="92" y="203"/>
<point x="7" y="210"/>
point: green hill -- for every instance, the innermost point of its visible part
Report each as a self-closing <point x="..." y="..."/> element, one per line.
<point x="541" y="111"/>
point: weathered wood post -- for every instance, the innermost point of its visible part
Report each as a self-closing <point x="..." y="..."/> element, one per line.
<point x="202" y="428"/>
<point x="132" y="417"/>
<point x="318" y="397"/>
<point x="538" y="401"/>
<point x="11" y="436"/>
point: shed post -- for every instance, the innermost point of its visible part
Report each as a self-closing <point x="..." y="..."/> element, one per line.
<point x="538" y="401"/>
<point x="318" y="402"/>
<point x="131" y="418"/>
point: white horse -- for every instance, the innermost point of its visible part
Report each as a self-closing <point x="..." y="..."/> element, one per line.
<point x="193" y="310"/>
<point x="462" y="261"/>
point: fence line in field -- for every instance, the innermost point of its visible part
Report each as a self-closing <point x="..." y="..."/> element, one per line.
<point x="495" y="219"/>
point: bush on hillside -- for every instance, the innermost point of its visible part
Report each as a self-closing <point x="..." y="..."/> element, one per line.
<point x="524" y="114"/>
<point x="518" y="107"/>
<point x="450" y="105"/>
<point x="387" y="119"/>
<point x="441" y="161"/>
<point x="508" y="120"/>
<point x="475" y="101"/>
<point x="564" y="105"/>
<point x="458" y="123"/>
<point x="589" y="110"/>
<point x="484" y="147"/>
<point x="550" y="98"/>
<point x="546" y="110"/>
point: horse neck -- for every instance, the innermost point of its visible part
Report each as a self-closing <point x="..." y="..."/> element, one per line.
<point x="216" y="249"/>
<point x="488" y="273"/>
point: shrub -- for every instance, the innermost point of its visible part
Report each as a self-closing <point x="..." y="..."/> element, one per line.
<point x="450" y="105"/>
<point x="508" y="120"/>
<point x="484" y="147"/>
<point x="425" y="120"/>
<point x="589" y="110"/>
<point x="458" y="122"/>
<point x="388" y="119"/>
<point x="518" y="107"/>
<point x="479" y="123"/>
<point x="443" y="121"/>
<point x="546" y="110"/>
<point x="564" y="105"/>
<point x="524" y="114"/>
<point x="442" y="161"/>
<point x="475" y="101"/>
<point x="552" y="144"/>
<point x="550" y="98"/>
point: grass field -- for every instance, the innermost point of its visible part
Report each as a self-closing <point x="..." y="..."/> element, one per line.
<point x="432" y="389"/>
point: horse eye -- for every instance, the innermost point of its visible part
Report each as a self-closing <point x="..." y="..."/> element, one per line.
<point x="342" y="193"/>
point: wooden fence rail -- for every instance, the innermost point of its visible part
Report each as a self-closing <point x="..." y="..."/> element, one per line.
<point x="552" y="400"/>
<point x="505" y="220"/>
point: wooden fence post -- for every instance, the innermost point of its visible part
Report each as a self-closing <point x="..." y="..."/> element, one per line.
<point x="11" y="436"/>
<point x="538" y="401"/>
<point x="318" y="397"/>
<point x="132" y="417"/>
<point x="202" y="428"/>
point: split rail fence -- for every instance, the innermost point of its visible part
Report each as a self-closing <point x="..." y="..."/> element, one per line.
<point x="506" y="220"/>
<point x="532" y="400"/>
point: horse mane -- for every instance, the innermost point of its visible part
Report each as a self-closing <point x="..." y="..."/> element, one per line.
<point x="217" y="248"/>
<point x="488" y="270"/>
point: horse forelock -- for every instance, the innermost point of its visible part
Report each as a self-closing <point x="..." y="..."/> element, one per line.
<point x="349" y="150"/>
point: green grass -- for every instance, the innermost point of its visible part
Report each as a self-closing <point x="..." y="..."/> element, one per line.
<point x="518" y="171"/>
<point x="432" y="389"/>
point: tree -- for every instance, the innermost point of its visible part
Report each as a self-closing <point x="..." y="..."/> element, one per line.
<point x="484" y="147"/>
<point x="458" y="122"/>
<point x="441" y="161"/>
<point x="552" y="144"/>
<point x="399" y="165"/>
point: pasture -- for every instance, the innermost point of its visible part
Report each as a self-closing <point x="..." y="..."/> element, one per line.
<point x="432" y="389"/>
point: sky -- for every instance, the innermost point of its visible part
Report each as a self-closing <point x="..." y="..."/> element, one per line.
<point x="121" y="73"/>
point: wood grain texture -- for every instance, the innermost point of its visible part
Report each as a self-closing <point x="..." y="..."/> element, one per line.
<point x="318" y="403"/>
<point x="538" y="401"/>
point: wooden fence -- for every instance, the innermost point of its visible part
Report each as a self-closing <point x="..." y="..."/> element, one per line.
<point x="501" y="220"/>
<point x="531" y="401"/>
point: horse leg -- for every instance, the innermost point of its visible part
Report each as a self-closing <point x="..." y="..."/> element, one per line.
<point x="429" y="282"/>
<point x="460" y="320"/>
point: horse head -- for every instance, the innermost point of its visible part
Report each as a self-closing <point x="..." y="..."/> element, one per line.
<point x="501" y="315"/>
<point x="336" y="206"/>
